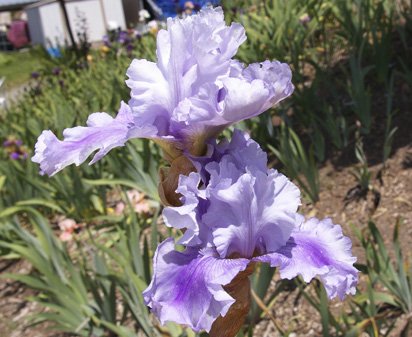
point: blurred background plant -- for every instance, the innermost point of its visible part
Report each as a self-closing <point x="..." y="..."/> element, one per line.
<point x="89" y="232"/>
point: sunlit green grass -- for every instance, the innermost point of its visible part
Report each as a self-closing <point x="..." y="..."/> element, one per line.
<point x="17" y="67"/>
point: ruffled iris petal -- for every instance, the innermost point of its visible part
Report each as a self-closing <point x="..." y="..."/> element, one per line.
<point x="188" y="215"/>
<point x="229" y="100"/>
<point x="241" y="151"/>
<point x="189" y="95"/>
<point x="150" y="96"/>
<point x="317" y="248"/>
<point x="225" y="164"/>
<point x="187" y="287"/>
<point x="102" y="133"/>
<point x="191" y="54"/>
<point x="244" y="150"/>
<point x="195" y="89"/>
<point x="259" y="87"/>
<point x="255" y="214"/>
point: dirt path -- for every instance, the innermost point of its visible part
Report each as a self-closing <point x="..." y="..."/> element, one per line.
<point x="16" y="307"/>
<point x="12" y="94"/>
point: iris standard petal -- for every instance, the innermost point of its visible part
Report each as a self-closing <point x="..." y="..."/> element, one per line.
<point x="244" y="99"/>
<point x="191" y="54"/>
<point x="102" y="133"/>
<point x="246" y="152"/>
<point x="226" y="162"/>
<point x="241" y="151"/>
<point x="317" y="248"/>
<point x="229" y="100"/>
<point x="187" y="287"/>
<point x="215" y="43"/>
<point x="150" y="96"/>
<point x="203" y="40"/>
<point x="258" y="88"/>
<point x="255" y="214"/>
<point x="195" y="89"/>
<point x="197" y="117"/>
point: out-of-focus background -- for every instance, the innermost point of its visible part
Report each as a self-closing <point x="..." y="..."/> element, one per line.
<point x="76" y="249"/>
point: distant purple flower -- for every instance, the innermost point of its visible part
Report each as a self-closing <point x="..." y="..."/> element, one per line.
<point x="123" y="37"/>
<point x="12" y="142"/>
<point x="193" y="92"/>
<point x="56" y="71"/>
<point x="106" y="40"/>
<point x="243" y="213"/>
<point x="8" y="143"/>
<point x="129" y="48"/>
<point x="15" y="155"/>
<point x="35" y="75"/>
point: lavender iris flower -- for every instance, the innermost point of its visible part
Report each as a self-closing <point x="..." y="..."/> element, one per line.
<point x="102" y="133"/>
<point x="14" y="155"/>
<point x="234" y="211"/>
<point x="106" y="40"/>
<point x="8" y="143"/>
<point x="123" y="37"/>
<point x="56" y="71"/>
<point x="129" y="48"/>
<point x="193" y="91"/>
<point x="242" y="214"/>
<point x="35" y="75"/>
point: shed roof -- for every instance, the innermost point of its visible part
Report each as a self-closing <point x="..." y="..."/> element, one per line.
<point x="9" y="5"/>
<point x="39" y="3"/>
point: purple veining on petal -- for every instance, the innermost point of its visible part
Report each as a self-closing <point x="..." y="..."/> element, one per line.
<point x="317" y="248"/>
<point x="187" y="287"/>
<point x="102" y="133"/>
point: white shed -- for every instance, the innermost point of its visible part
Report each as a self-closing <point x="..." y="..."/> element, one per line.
<point x="47" y="24"/>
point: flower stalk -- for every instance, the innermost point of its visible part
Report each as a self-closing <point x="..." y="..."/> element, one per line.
<point x="230" y="324"/>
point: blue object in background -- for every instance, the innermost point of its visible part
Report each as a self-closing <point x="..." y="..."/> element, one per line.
<point x="54" y="52"/>
<point x="174" y="7"/>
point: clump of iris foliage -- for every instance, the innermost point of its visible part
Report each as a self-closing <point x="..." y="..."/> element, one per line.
<point x="349" y="60"/>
